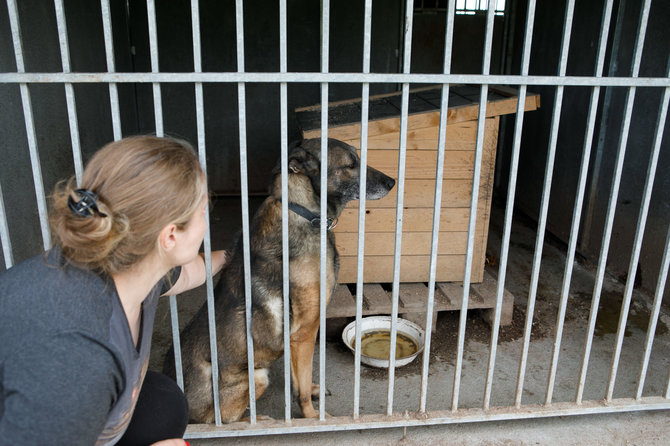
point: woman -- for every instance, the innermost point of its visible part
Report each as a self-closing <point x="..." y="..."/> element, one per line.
<point x="76" y="321"/>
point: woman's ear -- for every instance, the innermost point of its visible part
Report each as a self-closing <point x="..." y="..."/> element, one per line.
<point x="167" y="238"/>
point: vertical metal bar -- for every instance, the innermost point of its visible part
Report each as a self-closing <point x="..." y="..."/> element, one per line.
<point x="474" y="198"/>
<point x="4" y="234"/>
<point x="567" y="27"/>
<point x="588" y="142"/>
<point x="407" y="58"/>
<point x="325" y="42"/>
<point x="609" y="219"/>
<point x="174" y="320"/>
<point x="109" y="53"/>
<point x="30" y="125"/>
<point x="283" y="92"/>
<point x="437" y="206"/>
<point x="242" y="112"/>
<point x="556" y="118"/>
<point x="365" y="106"/>
<point x="630" y="281"/>
<point x="660" y="287"/>
<point x="509" y="208"/>
<point x="153" y="49"/>
<point x="630" y="97"/>
<point x="577" y="211"/>
<point x="202" y="156"/>
<point x="69" y="90"/>
<point x="602" y="131"/>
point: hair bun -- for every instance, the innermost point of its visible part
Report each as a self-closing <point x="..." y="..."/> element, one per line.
<point x="83" y="225"/>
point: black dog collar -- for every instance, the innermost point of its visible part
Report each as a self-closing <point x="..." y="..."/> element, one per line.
<point x="314" y="219"/>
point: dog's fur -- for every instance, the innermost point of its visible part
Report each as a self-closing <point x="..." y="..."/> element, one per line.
<point x="304" y="179"/>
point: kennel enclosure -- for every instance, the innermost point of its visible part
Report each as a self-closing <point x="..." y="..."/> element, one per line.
<point x="76" y="74"/>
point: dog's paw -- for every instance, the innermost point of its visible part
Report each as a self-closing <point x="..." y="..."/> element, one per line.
<point x="314" y="414"/>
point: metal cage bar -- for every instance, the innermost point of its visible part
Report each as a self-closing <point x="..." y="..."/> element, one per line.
<point x="109" y="55"/>
<point x="344" y="78"/>
<point x="202" y="155"/>
<point x="400" y="185"/>
<point x="323" y="284"/>
<point x="556" y="116"/>
<point x="586" y="154"/>
<point x="437" y="206"/>
<point x="628" y="292"/>
<point x="474" y="199"/>
<point x="69" y="90"/>
<point x="242" y="116"/>
<point x="5" y="240"/>
<point x="30" y="125"/>
<point x="509" y="210"/>
<point x="283" y="92"/>
<point x="651" y="171"/>
<point x="365" y="108"/>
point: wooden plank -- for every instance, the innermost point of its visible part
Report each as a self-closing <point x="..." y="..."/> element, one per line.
<point x="376" y="299"/>
<point x="453" y="292"/>
<point x="342" y="303"/>
<point x="458" y="164"/>
<point x="413" y="296"/>
<point x="440" y="300"/>
<point x="379" y="269"/>
<point x="413" y="243"/>
<point x="414" y="220"/>
<point x="421" y="194"/>
<point x="456" y="114"/>
<point x="488" y="290"/>
<point x="461" y="136"/>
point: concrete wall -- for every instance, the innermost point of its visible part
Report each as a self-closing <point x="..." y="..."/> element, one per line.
<point x="42" y="54"/>
<point x="582" y="56"/>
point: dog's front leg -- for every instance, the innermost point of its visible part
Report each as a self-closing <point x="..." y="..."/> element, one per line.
<point x="302" y="352"/>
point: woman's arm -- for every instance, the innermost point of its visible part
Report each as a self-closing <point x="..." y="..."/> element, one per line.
<point x="194" y="273"/>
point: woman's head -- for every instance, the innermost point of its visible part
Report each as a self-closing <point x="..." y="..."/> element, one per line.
<point x="143" y="184"/>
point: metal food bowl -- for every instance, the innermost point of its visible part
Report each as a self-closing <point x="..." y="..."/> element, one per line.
<point x="374" y="323"/>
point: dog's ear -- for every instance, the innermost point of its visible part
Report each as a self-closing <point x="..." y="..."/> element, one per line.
<point x="301" y="161"/>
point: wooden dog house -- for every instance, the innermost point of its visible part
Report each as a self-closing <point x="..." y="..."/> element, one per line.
<point x="420" y="171"/>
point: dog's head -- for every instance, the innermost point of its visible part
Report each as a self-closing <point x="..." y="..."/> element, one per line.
<point x="344" y="167"/>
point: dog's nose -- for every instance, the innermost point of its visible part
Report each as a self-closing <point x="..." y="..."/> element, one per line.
<point x="389" y="183"/>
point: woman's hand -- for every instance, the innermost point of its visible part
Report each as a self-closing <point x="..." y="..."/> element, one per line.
<point x="171" y="442"/>
<point x="219" y="260"/>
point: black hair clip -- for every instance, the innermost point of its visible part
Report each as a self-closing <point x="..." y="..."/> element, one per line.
<point x="87" y="205"/>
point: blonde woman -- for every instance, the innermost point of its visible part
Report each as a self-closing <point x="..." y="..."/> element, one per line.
<point x="76" y="321"/>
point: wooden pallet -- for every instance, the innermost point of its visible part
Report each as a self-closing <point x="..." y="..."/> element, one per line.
<point x="413" y="297"/>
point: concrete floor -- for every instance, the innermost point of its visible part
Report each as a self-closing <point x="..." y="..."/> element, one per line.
<point x="628" y="428"/>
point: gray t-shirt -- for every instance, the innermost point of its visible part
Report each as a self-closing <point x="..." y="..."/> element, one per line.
<point x="69" y="371"/>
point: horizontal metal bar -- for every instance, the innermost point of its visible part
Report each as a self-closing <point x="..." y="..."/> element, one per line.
<point x="332" y="424"/>
<point x="294" y="77"/>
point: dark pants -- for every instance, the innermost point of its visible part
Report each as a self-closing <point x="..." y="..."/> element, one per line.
<point x="161" y="412"/>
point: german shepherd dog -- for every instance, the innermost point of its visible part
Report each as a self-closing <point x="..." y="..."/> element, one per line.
<point x="304" y="180"/>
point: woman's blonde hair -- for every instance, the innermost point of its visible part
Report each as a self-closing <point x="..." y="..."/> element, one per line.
<point x="142" y="183"/>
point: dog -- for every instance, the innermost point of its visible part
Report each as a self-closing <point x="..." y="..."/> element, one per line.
<point x="304" y="185"/>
